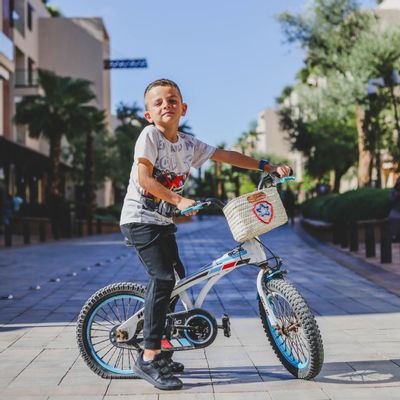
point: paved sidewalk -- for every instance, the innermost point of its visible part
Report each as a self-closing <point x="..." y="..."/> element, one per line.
<point x="359" y="322"/>
<point x="385" y="275"/>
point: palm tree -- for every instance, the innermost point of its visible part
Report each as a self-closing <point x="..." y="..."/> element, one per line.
<point x="55" y="114"/>
<point x="91" y="120"/>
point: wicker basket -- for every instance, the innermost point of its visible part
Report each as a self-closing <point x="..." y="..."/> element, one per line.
<point x="255" y="213"/>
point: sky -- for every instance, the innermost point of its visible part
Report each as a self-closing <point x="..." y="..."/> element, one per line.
<point x="229" y="57"/>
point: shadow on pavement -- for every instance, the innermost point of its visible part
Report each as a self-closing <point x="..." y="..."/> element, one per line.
<point x="366" y="372"/>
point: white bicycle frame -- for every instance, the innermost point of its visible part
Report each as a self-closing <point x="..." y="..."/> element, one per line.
<point x="247" y="253"/>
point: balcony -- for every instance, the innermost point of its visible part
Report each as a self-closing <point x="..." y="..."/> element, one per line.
<point x="26" y="83"/>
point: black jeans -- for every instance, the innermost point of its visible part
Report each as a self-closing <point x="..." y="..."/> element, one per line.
<point x="158" y="251"/>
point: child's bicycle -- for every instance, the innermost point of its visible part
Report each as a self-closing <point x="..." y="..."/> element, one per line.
<point x="109" y="328"/>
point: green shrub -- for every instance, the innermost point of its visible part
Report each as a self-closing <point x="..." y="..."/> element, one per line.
<point x="315" y="207"/>
<point x="355" y="205"/>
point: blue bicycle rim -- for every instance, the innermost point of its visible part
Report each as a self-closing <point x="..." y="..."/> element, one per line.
<point x="89" y="325"/>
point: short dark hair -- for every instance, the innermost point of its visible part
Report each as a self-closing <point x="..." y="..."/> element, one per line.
<point x="162" y="82"/>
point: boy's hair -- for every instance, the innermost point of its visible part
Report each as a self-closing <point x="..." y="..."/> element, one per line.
<point x="161" y="82"/>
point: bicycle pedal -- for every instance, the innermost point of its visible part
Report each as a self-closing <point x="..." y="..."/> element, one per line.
<point x="176" y="344"/>
<point x="226" y="325"/>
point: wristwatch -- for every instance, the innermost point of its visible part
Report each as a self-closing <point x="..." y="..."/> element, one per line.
<point x="262" y="164"/>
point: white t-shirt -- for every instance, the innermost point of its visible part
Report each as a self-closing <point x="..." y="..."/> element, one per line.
<point x="172" y="162"/>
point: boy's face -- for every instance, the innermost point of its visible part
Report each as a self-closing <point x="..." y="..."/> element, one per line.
<point x="164" y="106"/>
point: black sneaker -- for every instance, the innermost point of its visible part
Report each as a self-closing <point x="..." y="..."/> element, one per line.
<point x="174" y="366"/>
<point x="157" y="372"/>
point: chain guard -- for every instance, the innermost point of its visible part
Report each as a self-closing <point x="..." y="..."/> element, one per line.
<point x="187" y="330"/>
<point x="184" y="330"/>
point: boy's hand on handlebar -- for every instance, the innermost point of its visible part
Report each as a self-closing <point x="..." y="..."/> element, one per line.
<point x="185" y="203"/>
<point x="281" y="170"/>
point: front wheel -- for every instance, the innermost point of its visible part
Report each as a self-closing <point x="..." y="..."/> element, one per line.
<point x="295" y="338"/>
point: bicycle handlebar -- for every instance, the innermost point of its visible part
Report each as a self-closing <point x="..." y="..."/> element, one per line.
<point x="271" y="179"/>
<point x="274" y="179"/>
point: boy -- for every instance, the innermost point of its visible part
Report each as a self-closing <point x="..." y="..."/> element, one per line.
<point x="163" y="157"/>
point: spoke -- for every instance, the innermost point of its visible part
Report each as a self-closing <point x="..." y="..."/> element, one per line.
<point x="112" y="310"/>
<point x="129" y="359"/>
<point x="302" y="347"/>
<point x="119" y="314"/>
<point x="115" y="349"/>
<point x="118" y="311"/>
<point x="127" y="310"/>
<point x="133" y="357"/>
<point x="118" y="358"/>
<point x="294" y="349"/>
<point x="103" y="326"/>
<point x="101" y="341"/>
<point x="282" y="309"/>
<point x="105" y="319"/>
<point x="286" y="313"/>
<point x="137" y="306"/>
<point x="303" y="342"/>
<point x="112" y="346"/>
<point x="123" y="307"/>
<point x="100" y="330"/>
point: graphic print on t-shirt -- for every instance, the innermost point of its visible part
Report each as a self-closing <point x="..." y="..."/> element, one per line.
<point x="171" y="181"/>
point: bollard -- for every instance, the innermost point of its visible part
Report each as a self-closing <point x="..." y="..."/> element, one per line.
<point x="386" y="243"/>
<point x="27" y="233"/>
<point x="42" y="231"/>
<point x="80" y="228"/>
<point x="336" y="233"/>
<point x="344" y="235"/>
<point x="353" y="236"/>
<point x="98" y="226"/>
<point x="369" y="240"/>
<point x="8" y="235"/>
<point x="89" y="223"/>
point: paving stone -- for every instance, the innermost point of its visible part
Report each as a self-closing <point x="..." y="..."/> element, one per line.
<point x="359" y="322"/>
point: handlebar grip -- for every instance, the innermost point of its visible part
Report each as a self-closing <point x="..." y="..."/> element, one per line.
<point x="196" y="207"/>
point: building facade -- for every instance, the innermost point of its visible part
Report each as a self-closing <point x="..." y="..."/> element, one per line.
<point x="271" y="139"/>
<point x="30" y="39"/>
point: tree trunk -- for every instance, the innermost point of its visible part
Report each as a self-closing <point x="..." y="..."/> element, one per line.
<point x="217" y="170"/>
<point x="364" y="155"/>
<point x="54" y="173"/>
<point x="336" y="183"/>
<point x="396" y="113"/>
<point x="378" y="168"/>
<point x="90" y="180"/>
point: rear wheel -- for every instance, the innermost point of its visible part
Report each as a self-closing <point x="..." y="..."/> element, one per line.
<point x="295" y="338"/>
<point x="98" y="320"/>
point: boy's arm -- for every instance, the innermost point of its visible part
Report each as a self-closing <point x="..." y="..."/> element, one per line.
<point x="241" y="160"/>
<point x="151" y="185"/>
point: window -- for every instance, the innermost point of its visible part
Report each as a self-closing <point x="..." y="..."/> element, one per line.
<point x="30" y="15"/>
<point x="31" y="65"/>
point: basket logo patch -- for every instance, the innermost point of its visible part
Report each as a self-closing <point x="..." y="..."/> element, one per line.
<point x="256" y="197"/>
<point x="264" y="211"/>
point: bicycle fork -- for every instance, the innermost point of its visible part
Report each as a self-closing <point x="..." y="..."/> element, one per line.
<point x="264" y="297"/>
